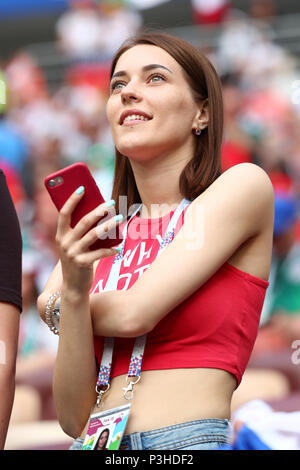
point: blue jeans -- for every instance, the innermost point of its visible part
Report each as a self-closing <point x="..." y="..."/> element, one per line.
<point x="204" y="434"/>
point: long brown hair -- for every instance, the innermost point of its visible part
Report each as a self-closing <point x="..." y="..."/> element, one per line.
<point x="205" y="166"/>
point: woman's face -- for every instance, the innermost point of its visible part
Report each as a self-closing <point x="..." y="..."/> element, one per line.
<point x="151" y="109"/>
<point x="102" y="440"/>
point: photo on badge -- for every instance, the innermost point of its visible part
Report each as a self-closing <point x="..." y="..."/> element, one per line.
<point x="106" y="429"/>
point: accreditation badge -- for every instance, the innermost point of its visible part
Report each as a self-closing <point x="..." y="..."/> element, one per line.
<point x="106" y="428"/>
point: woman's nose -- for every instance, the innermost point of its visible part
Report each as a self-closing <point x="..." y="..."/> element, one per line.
<point x="130" y="93"/>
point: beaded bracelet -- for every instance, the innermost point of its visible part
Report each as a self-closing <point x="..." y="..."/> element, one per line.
<point x="49" y="312"/>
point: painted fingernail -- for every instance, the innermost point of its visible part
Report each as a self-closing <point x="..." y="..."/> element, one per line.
<point x="110" y="203"/>
<point x="118" y="217"/>
<point x="80" y="190"/>
<point x="118" y="248"/>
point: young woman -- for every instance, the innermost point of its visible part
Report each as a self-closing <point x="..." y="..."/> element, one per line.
<point x="197" y="304"/>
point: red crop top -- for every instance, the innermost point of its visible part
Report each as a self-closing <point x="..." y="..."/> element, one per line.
<point x="216" y="327"/>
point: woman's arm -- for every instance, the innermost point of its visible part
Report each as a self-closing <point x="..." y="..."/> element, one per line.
<point x="75" y="368"/>
<point x="54" y="284"/>
<point x="72" y="391"/>
<point x="9" y="331"/>
<point x="237" y="206"/>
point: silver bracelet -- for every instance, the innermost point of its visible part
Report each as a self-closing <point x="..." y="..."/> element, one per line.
<point x="52" y="312"/>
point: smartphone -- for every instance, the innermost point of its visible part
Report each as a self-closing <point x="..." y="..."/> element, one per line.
<point x="61" y="184"/>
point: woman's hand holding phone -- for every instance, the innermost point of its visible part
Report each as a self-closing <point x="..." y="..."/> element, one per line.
<point x="73" y="243"/>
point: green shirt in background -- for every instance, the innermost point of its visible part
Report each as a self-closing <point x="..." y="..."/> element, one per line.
<point x="283" y="292"/>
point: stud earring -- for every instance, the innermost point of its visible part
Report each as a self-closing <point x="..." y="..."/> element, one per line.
<point x="198" y="131"/>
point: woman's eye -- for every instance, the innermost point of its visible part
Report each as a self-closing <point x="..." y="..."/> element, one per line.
<point x="156" y="78"/>
<point x="115" y="86"/>
<point x="118" y="85"/>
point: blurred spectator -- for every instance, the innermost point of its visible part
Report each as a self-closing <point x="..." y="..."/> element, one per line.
<point x="15" y="185"/>
<point x="212" y="12"/>
<point x="89" y="35"/>
<point x="26" y="81"/>
<point x="118" y="22"/>
<point x="3" y="90"/>
<point x="34" y="335"/>
<point x="272" y="113"/>
<point x="46" y="126"/>
<point x="282" y="183"/>
<point x="258" y="426"/>
<point x="238" y="143"/>
<point x="293" y="158"/>
<point x="246" y="47"/>
<point x="42" y="236"/>
<point x="281" y="312"/>
<point x="100" y="160"/>
<point x="262" y="10"/>
<point x="78" y="30"/>
<point x="13" y="146"/>
<point x="95" y="74"/>
<point x="93" y="30"/>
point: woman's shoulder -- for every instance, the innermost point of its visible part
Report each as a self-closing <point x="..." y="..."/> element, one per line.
<point x="244" y="177"/>
<point x="244" y="192"/>
<point x="246" y="182"/>
<point x="247" y="169"/>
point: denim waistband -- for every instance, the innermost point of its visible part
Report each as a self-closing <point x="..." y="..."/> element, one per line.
<point x="198" y="434"/>
<point x="201" y="434"/>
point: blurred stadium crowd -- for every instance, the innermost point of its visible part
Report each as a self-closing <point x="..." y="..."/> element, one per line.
<point x="43" y="130"/>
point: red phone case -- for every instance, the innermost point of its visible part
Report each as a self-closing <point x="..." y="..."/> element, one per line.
<point x="72" y="177"/>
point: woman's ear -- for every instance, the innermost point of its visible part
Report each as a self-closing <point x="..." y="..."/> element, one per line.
<point x="202" y="118"/>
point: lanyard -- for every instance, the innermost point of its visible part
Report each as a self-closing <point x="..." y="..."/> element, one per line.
<point x="103" y="382"/>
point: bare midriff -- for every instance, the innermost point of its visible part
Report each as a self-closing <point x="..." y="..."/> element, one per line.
<point x="167" y="397"/>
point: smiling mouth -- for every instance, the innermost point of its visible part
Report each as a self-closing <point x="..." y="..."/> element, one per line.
<point x="135" y="118"/>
